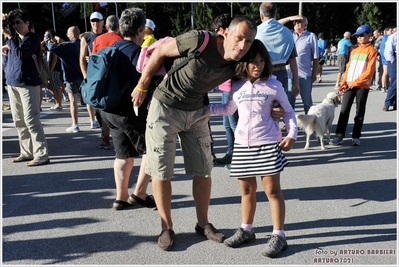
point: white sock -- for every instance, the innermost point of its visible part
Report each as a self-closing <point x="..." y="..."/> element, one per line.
<point x="247" y="227"/>
<point x="279" y="232"/>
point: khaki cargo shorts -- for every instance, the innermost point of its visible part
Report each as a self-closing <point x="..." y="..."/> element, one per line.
<point x="164" y="125"/>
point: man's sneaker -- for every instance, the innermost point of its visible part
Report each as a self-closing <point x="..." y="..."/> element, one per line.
<point x="105" y="145"/>
<point x="355" y="142"/>
<point x="73" y="129"/>
<point x="6" y="107"/>
<point x="210" y="232"/>
<point x="165" y="240"/>
<point x="56" y="107"/>
<point x="94" y="125"/>
<point x="383" y="90"/>
<point x="214" y="158"/>
<point x="225" y="160"/>
<point x="275" y="246"/>
<point x="337" y="141"/>
<point x="240" y="237"/>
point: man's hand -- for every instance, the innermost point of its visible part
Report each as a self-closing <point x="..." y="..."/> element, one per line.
<point x="277" y="111"/>
<point x="295" y="90"/>
<point x="138" y="96"/>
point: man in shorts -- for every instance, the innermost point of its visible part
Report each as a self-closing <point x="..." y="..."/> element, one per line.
<point x="177" y="110"/>
<point x="69" y="54"/>
<point x="344" y="46"/>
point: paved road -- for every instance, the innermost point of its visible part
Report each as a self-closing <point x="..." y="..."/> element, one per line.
<point x="341" y="202"/>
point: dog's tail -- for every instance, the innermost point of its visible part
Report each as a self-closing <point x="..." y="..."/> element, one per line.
<point x="306" y="122"/>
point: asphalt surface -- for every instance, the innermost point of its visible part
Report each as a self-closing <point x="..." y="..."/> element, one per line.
<point x="341" y="203"/>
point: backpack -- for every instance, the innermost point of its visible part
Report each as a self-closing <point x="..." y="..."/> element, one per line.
<point x="101" y="88"/>
<point x="162" y="72"/>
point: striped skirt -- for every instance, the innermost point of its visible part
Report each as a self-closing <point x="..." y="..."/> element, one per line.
<point x="261" y="160"/>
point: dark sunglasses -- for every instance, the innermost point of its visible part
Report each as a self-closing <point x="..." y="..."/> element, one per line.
<point x="95" y="20"/>
<point x="17" y="22"/>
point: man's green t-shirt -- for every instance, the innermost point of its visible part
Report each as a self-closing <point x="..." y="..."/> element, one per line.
<point x="185" y="88"/>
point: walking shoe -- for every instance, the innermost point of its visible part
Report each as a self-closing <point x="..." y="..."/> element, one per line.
<point x="210" y="232"/>
<point x="225" y="160"/>
<point x="240" y="237"/>
<point x="105" y="145"/>
<point x="6" y="107"/>
<point x="56" y="107"/>
<point x="73" y="129"/>
<point x="165" y="239"/>
<point x="275" y="246"/>
<point x="355" y="142"/>
<point x="383" y="90"/>
<point x="228" y="166"/>
<point x="94" y="125"/>
<point x="214" y="158"/>
<point x="337" y="141"/>
<point x="385" y="108"/>
<point x="336" y="87"/>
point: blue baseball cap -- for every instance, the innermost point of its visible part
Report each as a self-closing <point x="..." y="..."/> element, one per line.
<point x="362" y="29"/>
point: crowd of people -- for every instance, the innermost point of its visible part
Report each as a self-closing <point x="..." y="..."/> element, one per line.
<point x="260" y="80"/>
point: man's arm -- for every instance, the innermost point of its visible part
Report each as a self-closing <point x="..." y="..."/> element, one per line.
<point x="295" y="77"/>
<point x="291" y="18"/>
<point x="167" y="49"/>
<point x="82" y="57"/>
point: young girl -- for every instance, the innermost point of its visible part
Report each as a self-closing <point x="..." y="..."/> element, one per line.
<point x="258" y="144"/>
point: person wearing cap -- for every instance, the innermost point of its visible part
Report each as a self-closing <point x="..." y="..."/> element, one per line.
<point x="356" y="83"/>
<point x="149" y="38"/>
<point x="343" y="56"/>
<point x="105" y="40"/>
<point x="86" y="47"/>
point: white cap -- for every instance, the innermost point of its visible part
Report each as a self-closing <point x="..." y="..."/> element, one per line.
<point x="150" y="24"/>
<point x="96" y="15"/>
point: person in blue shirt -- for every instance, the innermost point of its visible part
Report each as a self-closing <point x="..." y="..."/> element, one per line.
<point x="390" y="50"/>
<point x="23" y="83"/>
<point x="343" y="50"/>
<point x="322" y="45"/>
<point x="68" y="52"/>
<point x="385" y="77"/>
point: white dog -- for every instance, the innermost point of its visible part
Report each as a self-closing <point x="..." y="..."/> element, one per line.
<point x="319" y="119"/>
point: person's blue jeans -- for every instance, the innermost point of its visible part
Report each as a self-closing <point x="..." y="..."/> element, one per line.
<point x="230" y="124"/>
<point x="305" y="85"/>
<point x="281" y="76"/>
<point x="390" y="99"/>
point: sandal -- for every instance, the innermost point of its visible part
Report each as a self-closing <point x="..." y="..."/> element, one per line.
<point x="120" y="205"/>
<point x="37" y="162"/>
<point x="149" y="202"/>
<point x="21" y="159"/>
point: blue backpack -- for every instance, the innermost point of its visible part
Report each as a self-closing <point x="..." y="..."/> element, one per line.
<point x="101" y="88"/>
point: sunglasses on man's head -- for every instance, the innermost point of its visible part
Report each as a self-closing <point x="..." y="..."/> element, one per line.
<point x="95" y="20"/>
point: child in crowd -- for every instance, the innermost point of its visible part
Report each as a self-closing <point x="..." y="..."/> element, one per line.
<point x="258" y="144"/>
<point x="356" y="84"/>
